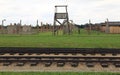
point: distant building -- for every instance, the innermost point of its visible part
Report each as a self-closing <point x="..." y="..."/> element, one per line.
<point x="13" y="29"/>
<point x="26" y="28"/>
<point x="18" y="29"/>
<point x="109" y="27"/>
<point x="45" y="27"/>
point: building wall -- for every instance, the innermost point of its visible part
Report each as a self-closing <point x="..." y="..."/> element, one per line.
<point x="26" y="28"/>
<point x="18" y="29"/>
<point x="102" y="28"/>
<point x="114" y="29"/>
<point x="13" y="29"/>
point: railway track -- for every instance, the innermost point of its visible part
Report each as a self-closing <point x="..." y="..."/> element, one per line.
<point x="60" y="56"/>
<point x="13" y="50"/>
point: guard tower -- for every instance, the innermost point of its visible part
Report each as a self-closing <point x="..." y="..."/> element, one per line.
<point x="61" y="16"/>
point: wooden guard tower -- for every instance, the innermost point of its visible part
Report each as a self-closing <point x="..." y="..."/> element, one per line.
<point x="61" y="16"/>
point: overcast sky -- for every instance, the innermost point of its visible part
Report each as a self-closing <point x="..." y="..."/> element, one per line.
<point x="80" y="11"/>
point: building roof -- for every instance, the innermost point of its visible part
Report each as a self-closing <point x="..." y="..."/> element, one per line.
<point x="114" y="23"/>
<point x="111" y="23"/>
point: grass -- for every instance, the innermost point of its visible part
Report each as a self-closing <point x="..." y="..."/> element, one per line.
<point x="57" y="73"/>
<point x="46" y="39"/>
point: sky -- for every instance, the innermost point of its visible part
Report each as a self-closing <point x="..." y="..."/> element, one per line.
<point x="80" y="11"/>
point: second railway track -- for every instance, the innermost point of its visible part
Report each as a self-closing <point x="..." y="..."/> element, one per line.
<point x="14" y="50"/>
<point x="61" y="56"/>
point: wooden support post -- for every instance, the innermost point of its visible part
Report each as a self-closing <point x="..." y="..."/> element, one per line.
<point x="89" y="27"/>
<point x="37" y="27"/>
<point x="20" y="22"/>
<point x="107" y="27"/>
<point x="41" y="27"/>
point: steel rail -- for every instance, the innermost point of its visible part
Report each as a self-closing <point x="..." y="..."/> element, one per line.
<point x="59" y="50"/>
